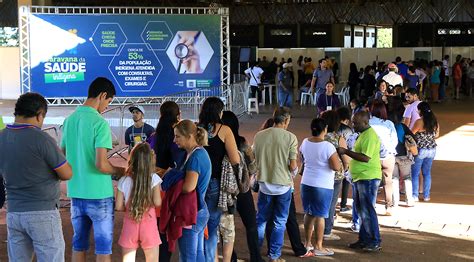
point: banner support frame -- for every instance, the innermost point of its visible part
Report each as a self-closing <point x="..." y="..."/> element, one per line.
<point x="25" y="53"/>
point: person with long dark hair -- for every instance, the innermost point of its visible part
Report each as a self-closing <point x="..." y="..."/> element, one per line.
<point x="221" y="142"/>
<point x="245" y="204"/>
<point x="333" y="122"/>
<point x="426" y="129"/>
<point x="320" y="161"/>
<point x="168" y="155"/>
<point x="368" y="83"/>
<point x="353" y="80"/>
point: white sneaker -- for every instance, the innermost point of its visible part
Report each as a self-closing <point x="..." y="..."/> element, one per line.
<point x="331" y="237"/>
<point x="260" y="104"/>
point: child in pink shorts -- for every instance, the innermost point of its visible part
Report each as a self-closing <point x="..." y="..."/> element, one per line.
<point x="138" y="194"/>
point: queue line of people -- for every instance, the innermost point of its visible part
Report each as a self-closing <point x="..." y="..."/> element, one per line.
<point x="185" y="162"/>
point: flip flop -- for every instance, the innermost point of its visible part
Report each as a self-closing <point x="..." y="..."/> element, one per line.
<point x="309" y="253"/>
<point x="325" y="252"/>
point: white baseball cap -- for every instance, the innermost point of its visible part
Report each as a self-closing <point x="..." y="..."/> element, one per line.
<point x="137" y="107"/>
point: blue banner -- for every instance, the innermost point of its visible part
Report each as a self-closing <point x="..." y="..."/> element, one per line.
<point x="143" y="55"/>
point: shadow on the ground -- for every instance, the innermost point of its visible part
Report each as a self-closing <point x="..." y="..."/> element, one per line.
<point x="398" y="245"/>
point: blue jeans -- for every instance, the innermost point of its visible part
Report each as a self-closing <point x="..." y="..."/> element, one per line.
<point x="37" y="232"/>
<point x="355" y="215"/>
<point x="329" y="221"/>
<point x="97" y="213"/>
<point x="285" y="97"/>
<point x="423" y="162"/>
<point x="365" y="197"/>
<point x="212" y="197"/>
<point x="279" y="206"/>
<point x="191" y="243"/>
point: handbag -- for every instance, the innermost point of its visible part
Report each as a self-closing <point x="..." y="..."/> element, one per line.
<point x="410" y="145"/>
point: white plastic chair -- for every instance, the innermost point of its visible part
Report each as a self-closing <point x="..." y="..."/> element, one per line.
<point x="315" y="98"/>
<point x="304" y="97"/>
<point x="342" y="95"/>
<point x="346" y="96"/>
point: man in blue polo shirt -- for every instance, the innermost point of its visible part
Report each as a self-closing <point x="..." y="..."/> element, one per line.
<point x="32" y="166"/>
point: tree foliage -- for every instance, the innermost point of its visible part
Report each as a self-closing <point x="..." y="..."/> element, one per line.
<point x="9" y="36"/>
<point x="384" y="38"/>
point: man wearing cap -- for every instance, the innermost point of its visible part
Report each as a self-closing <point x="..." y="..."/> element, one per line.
<point x="140" y="130"/>
<point x="285" y="88"/>
<point x="393" y="78"/>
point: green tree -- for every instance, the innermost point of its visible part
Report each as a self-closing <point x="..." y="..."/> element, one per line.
<point x="384" y="38"/>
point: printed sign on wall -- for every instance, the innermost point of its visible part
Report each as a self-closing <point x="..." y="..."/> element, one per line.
<point x="144" y="55"/>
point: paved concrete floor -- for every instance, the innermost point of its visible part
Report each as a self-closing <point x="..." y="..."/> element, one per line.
<point x="440" y="230"/>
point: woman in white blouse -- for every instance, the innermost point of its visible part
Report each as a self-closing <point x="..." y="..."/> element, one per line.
<point x="320" y="161"/>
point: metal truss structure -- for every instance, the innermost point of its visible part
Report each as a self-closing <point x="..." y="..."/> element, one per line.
<point x="25" y="68"/>
<point x="26" y="11"/>
<point x="353" y="12"/>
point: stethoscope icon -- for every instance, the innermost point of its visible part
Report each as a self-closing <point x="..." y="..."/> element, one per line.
<point x="181" y="51"/>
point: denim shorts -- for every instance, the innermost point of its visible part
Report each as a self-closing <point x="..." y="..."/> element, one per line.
<point x="316" y="200"/>
<point x="37" y="232"/>
<point x="97" y="213"/>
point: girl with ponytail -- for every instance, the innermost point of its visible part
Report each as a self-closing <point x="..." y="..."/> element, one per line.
<point x="197" y="168"/>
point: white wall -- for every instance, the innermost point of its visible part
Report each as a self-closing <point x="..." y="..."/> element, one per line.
<point x="9" y="72"/>
<point x="364" y="56"/>
<point x="370" y="38"/>
<point x="358" y="36"/>
<point x="347" y="38"/>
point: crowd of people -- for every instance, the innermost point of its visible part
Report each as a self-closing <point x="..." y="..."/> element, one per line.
<point x="184" y="181"/>
<point x="431" y="78"/>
